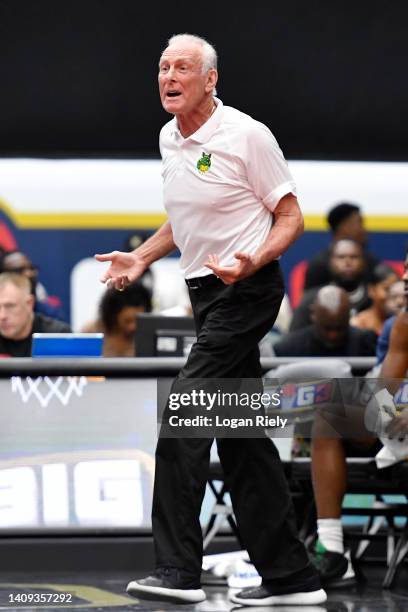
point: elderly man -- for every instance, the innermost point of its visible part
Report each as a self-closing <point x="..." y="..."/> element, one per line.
<point x="232" y="212"/>
<point x="18" y="321"/>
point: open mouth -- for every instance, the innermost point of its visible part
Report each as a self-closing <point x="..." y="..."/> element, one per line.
<point x="173" y="94"/>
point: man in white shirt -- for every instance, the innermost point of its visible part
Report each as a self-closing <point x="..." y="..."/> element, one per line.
<point x="224" y="175"/>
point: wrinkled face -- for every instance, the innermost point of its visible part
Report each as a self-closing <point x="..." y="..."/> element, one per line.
<point x="353" y="227"/>
<point x="396" y="298"/>
<point x="182" y="84"/>
<point x="380" y="291"/>
<point x="16" y="309"/>
<point x="331" y="327"/>
<point x="346" y="261"/>
<point x="127" y="320"/>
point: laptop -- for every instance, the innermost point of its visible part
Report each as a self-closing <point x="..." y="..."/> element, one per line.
<point x="67" y="345"/>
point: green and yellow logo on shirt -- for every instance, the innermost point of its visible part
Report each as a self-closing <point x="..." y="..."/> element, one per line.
<point x="204" y="163"/>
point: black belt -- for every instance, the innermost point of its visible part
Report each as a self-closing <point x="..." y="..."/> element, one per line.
<point x="202" y="281"/>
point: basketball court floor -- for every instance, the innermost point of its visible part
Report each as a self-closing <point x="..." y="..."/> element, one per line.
<point x="105" y="591"/>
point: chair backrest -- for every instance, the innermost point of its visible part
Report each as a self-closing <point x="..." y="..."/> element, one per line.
<point x="297" y="282"/>
<point x="7" y="240"/>
<point x="396" y="265"/>
<point x="311" y="368"/>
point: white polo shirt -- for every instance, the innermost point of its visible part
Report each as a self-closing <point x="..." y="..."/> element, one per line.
<point x="221" y="185"/>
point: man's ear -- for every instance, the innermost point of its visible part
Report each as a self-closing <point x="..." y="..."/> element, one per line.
<point x="212" y="79"/>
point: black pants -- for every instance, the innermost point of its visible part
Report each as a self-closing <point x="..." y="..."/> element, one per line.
<point x="230" y="321"/>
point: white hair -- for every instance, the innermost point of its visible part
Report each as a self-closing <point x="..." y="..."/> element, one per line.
<point x="209" y="54"/>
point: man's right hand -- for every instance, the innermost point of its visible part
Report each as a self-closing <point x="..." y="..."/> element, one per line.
<point x="124" y="269"/>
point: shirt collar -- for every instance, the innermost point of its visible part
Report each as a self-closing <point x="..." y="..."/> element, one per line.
<point x="204" y="133"/>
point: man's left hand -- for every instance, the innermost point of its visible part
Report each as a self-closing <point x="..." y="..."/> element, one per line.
<point x="246" y="266"/>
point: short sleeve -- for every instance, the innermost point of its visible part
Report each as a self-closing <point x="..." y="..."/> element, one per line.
<point x="267" y="170"/>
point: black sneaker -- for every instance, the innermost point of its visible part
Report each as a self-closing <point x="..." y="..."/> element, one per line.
<point x="335" y="569"/>
<point x="167" y="584"/>
<point x="306" y="593"/>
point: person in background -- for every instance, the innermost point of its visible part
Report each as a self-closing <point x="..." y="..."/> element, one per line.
<point x="345" y="221"/>
<point x="347" y="270"/>
<point x="330" y="334"/>
<point x="16" y="261"/>
<point x="401" y="304"/>
<point x="117" y="320"/>
<point x="374" y="317"/>
<point x="18" y="321"/>
<point x="396" y="298"/>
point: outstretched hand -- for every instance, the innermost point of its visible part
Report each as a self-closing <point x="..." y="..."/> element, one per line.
<point x="245" y="266"/>
<point x="125" y="268"/>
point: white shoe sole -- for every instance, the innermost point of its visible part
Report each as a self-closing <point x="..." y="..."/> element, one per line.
<point x="162" y="594"/>
<point x="309" y="598"/>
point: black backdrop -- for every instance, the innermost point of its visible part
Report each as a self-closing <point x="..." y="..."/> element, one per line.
<point x="329" y="77"/>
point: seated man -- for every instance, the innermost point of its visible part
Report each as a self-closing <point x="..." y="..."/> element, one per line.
<point x="347" y="267"/>
<point x="18" y="321"/>
<point x="16" y="261"/>
<point x="330" y="334"/>
<point x="345" y="221"/>
<point x="329" y="467"/>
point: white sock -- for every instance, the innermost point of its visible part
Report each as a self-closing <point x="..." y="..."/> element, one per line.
<point x="330" y="532"/>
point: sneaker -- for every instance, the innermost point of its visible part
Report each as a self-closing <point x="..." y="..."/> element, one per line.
<point x="335" y="569"/>
<point x="167" y="584"/>
<point x="307" y="593"/>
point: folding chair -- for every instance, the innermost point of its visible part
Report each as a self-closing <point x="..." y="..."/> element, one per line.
<point x="222" y="511"/>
